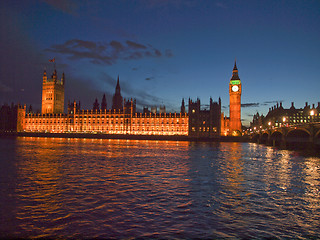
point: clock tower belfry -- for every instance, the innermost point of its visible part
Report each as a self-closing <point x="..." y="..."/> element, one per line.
<point x="235" y="89"/>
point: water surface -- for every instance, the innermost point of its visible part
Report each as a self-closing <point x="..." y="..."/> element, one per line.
<point x="98" y="188"/>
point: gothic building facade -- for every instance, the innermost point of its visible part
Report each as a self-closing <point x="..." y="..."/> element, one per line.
<point x="123" y="118"/>
<point x="204" y="122"/>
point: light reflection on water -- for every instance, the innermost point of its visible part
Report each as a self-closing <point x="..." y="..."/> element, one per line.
<point x="94" y="188"/>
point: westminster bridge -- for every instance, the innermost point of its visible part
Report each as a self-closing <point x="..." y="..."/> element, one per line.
<point x="289" y="136"/>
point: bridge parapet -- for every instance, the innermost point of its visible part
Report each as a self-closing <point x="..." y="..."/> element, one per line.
<point x="308" y="133"/>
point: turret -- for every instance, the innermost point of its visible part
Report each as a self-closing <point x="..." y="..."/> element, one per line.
<point x="183" y="108"/>
<point x="74" y="107"/>
<point x="63" y="80"/>
<point x="96" y="105"/>
<point x="118" y="86"/>
<point x="44" y="76"/>
<point x="54" y="76"/>
<point x="117" y="102"/>
<point x="104" y="103"/>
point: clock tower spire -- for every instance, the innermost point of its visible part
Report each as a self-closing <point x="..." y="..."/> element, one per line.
<point x="235" y="89"/>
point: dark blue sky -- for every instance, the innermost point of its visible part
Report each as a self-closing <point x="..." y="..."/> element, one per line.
<point x="163" y="50"/>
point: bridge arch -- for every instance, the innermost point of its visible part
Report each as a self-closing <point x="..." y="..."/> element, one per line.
<point x="276" y="138"/>
<point x="317" y="134"/>
<point x="317" y="137"/>
<point x="255" y="137"/>
<point x="299" y="129"/>
<point x="298" y="138"/>
<point x="264" y="138"/>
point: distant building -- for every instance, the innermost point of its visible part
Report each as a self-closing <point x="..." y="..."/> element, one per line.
<point x="280" y="117"/>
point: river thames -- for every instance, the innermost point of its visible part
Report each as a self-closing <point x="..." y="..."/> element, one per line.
<point x="120" y="189"/>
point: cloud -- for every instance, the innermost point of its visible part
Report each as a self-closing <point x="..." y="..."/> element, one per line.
<point x="246" y="105"/>
<point x="135" y="45"/>
<point x="149" y="78"/>
<point x="134" y="55"/>
<point x="266" y="103"/>
<point x="117" y="46"/>
<point x="135" y="69"/>
<point x="79" y="49"/>
<point x="157" y="52"/>
<point x="106" y="53"/>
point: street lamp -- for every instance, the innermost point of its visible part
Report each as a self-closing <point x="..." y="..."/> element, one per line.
<point x="312" y="114"/>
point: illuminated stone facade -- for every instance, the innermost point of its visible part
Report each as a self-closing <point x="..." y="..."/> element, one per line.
<point x="107" y="122"/>
<point x="225" y="125"/>
<point x="235" y="88"/>
<point x="52" y="94"/>
<point x="121" y="119"/>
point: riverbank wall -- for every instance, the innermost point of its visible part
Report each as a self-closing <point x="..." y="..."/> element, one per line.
<point x="128" y="137"/>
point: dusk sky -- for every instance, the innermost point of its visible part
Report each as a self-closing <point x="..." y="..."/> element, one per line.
<point x="163" y="51"/>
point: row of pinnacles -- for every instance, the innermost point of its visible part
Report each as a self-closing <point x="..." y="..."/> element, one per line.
<point x="122" y="117"/>
<point x="118" y="103"/>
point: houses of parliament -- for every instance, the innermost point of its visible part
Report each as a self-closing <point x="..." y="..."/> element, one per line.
<point x="124" y="119"/>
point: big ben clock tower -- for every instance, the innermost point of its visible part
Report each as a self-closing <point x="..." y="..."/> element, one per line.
<point x="235" y="103"/>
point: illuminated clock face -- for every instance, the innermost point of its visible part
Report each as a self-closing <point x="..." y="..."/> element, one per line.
<point x="235" y="88"/>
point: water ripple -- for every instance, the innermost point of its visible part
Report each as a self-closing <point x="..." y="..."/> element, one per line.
<point x="121" y="189"/>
